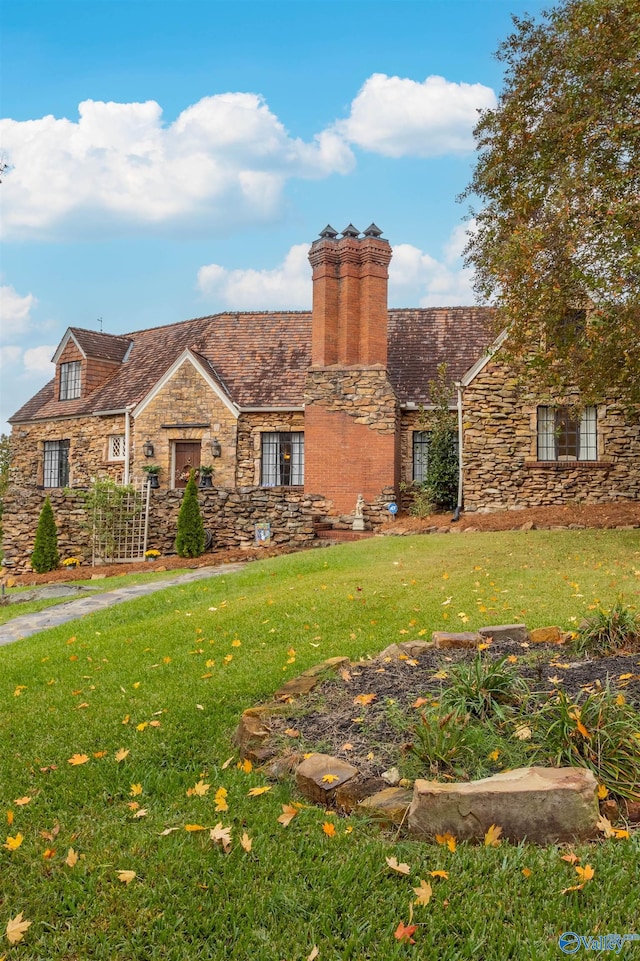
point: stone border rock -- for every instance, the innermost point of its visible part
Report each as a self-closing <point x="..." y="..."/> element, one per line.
<point x="540" y="805"/>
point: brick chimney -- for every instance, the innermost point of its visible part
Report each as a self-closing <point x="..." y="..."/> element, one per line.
<point x="351" y="411"/>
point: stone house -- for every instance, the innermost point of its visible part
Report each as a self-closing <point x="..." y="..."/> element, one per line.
<point x="298" y="413"/>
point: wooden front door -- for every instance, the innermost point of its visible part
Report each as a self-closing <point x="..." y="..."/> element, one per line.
<point x="187" y="459"/>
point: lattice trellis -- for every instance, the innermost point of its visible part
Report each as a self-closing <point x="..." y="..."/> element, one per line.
<point x="120" y="525"/>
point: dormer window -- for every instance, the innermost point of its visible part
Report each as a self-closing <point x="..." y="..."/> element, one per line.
<point x="70" y="379"/>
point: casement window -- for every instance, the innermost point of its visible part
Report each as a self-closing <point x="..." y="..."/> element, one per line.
<point x="421" y="440"/>
<point x="564" y="436"/>
<point x="56" y="463"/>
<point x="115" y="449"/>
<point x="282" y="461"/>
<point x="70" y="380"/>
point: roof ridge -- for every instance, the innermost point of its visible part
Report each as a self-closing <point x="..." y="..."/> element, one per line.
<point x="222" y="313"/>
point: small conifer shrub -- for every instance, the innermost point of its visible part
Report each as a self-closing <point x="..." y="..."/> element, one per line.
<point x="45" y="555"/>
<point x="190" y="539"/>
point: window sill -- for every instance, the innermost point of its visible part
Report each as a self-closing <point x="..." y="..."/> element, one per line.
<point x="282" y="487"/>
<point x="566" y="465"/>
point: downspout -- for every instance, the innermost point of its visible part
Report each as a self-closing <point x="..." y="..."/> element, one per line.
<point x="127" y="442"/>
<point x="458" y="510"/>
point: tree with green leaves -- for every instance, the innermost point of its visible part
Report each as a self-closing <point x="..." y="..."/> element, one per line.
<point x="190" y="539"/>
<point x="5" y="462"/>
<point x="556" y="246"/>
<point x="45" y="555"/>
<point x="441" y="480"/>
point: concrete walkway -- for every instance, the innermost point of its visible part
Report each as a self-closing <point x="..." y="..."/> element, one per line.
<point x="30" y="624"/>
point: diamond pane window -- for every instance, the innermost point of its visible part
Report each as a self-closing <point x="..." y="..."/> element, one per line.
<point x="70" y="380"/>
<point x="116" y="447"/>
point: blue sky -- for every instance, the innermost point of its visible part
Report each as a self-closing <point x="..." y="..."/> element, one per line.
<point x="170" y="160"/>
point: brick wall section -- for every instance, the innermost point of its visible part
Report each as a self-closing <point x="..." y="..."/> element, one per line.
<point x="186" y="399"/>
<point x="501" y="471"/>
<point x="351" y="416"/>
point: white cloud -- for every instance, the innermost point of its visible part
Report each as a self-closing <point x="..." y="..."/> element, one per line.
<point x="286" y="287"/>
<point x="15" y="312"/>
<point x="37" y="360"/>
<point x="224" y="160"/>
<point x="396" y="116"/>
<point x="416" y="279"/>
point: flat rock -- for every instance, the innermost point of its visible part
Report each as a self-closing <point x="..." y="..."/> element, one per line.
<point x="546" y="635"/>
<point x="356" y="789"/>
<point x="281" y="768"/>
<point x="465" y="640"/>
<point x="252" y="732"/>
<point x="406" y="649"/>
<point x="390" y="805"/>
<point x="320" y="775"/>
<point x="543" y="805"/>
<point x="506" y="632"/>
<point x="309" y="679"/>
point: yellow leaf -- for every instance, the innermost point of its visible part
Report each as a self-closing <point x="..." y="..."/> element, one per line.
<point x="71" y="859"/>
<point x="586" y="873"/>
<point x="142" y="726"/>
<point x="121" y="754"/>
<point x="526" y="872"/>
<point x="200" y="789"/>
<point x="136" y="685"/>
<point x="154" y="723"/>
<point x="246" y="842"/>
<point x="236" y="643"/>
<point x="492" y="837"/>
<point x="571" y="858"/>
<point x="604" y="825"/>
<point x="424" y="893"/>
<point x="288" y="813"/>
<point x="20" y="801"/>
<point x="133" y="805"/>
<point x="602" y="791"/>
<point x="621" y="833"/>
<point x="12" y="844"/>
<point x="329" y="829"/>
<point x="194" y="827"/>
<point x="9" y="818"/>
<point x="245" y="766"/>
<point x="448" y="840"/>
<point x="100" y="754"/>
<point x="257" y="791"/>
<point x="16" y="928"/>
<point x="136" y="789"/>
<point x="400" y="868"/>
<point x="439" y="874"/>
<point x="20" y="688"/>
<point x="220" y="799"/>
<point x="494" y="755"/>
<point x="364" y="698"/>
<point x="221" y="836"/>
<point x="620" y="700"/>
<point x="126" y="876"/>
<point x="419" y="702"/>
<point x="228" y="658"/>
<point x="49" y="853"/>
<point x="78" y="759"/>
<point x="330" y="778"/>
<point x="126" y="719"/>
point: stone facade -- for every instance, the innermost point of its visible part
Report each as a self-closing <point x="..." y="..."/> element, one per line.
<point x="501" y="466"/>
<point x="251" y="426"/>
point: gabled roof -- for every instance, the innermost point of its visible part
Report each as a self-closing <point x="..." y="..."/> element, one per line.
<point x="261" y="359"/>
<point x="95" y="345"/>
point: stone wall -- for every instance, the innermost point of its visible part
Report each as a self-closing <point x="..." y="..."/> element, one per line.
<point x="186" y="399"/>
<point x="250" y="429"/>
<point x="230" y="516"/>
<point x="501" y="469"/>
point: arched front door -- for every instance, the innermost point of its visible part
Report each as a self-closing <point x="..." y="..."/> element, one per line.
<point x="187" y="458"/>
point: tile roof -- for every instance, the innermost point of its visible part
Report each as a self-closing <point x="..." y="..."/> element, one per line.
<point x="260" y="359"/>
<point x="101" y="346"/>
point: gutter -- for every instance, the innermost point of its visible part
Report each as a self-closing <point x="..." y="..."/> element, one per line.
<point x="459" y="507"/>
<point x="127" y="442"/>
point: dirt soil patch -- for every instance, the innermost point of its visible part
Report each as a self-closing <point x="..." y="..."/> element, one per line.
<point x="377" y="734"/>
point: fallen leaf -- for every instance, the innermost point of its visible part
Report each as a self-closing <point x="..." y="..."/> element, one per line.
<point x="245" y="766"/>
<point x="621" y="833"/>
<point x="586" y="873"/>
<point x="142" y="726"/>
<point x="492" y="837"/>
<point x="330" y="778"/>
<point x="424" y="893"/>
<point x="121" y="754"/>
<point x="448" y="840"/>
<point x="16" y="928"/>
<point x="9" y="818"/>
<point x="257" y="791"/>
<point x="21" y="801"/>
<point x="194" y="827"/>
<point x="523" y="733"/>
<point x="167" y="831"/>
<point x="12" y="844"/>
<point x="142" y="813"/>
<point x="200" y="789"/>
<point x="603" y="792"/>
<point x="50" y="835"/>
<point x="246" y="842"/>
<point x="78" y="759"/>
<point x="49" y="853"/>
<point x="226" y="764"/>
<point x="100" y="754"/>
<point x="292" y="732"/>
<point x="222" y="836"/>
<point x="136" y="789"/>
<point x="570" y="858"/>
<point x="126" y="876"/>
<point x="314" y="954"/>
<point x="71" y="859"/>
<point x="420" y="701"/>
<point x="288" y="813"/>
<point x="404" y="931"/>
<point x="220" y="799"/>
<point x="133" y="805"/>
<point x="526" y="872"/>
<point x="439" y="874"/>
<point x="494" y="755"/>
<point x="329" y="829"/>
<point x="400" y="868"/>
<point x="604" y="824"/>
<point x="364" y="698"/>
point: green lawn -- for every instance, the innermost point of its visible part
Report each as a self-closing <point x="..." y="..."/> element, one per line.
<point x="166" y="677"/>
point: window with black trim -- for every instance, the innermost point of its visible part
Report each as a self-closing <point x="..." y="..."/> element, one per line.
<point x="421" y="440"/>
<point x="566" y="436"/>
<point x="282" y="459"/>
<point x="70" y="380"/>
<point x="56" y="463"/>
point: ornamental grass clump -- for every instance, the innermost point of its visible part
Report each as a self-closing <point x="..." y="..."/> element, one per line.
<point x="610" y="631"/>
<point x="45" y="555"/>
<point x="483" y="688"/>
<point x="190" y="539"/>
